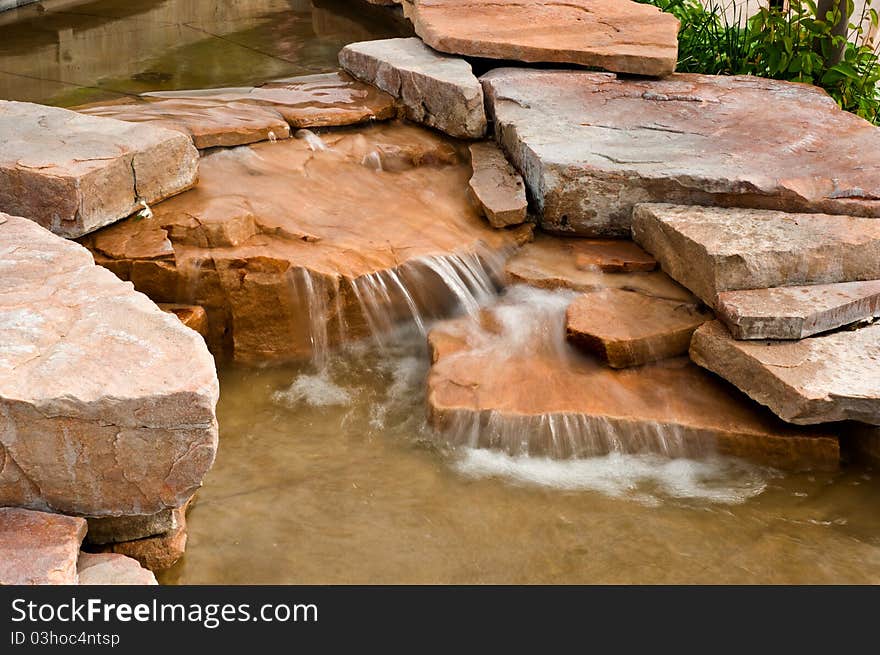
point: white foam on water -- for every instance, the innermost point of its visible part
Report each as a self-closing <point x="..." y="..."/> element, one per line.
<point x="315" y="143"/>
<point x="643" y="478"/>
<point x="316" y="390"/>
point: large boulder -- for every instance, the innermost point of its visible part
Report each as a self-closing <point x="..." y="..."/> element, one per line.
<point x="617" y="35"/>
<point x="106" y="402"/>
<point x="74" y="173"/>
<point x="436" y="90"/>
<point x="592" y="145"/>
<point x="710" y="249"/>
<point x="37" y="548"/>
<point x="830" y="377"/>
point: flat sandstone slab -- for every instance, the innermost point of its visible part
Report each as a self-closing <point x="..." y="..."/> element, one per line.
<point x="710" y="250"/>
<point x="37" y="548"/>
<point x="497" y="187"/>
<point x="612" y="256"/>
<point x="617" y="35"/>
<point x="73" y="173"/>
<point x="832" y="377"/>
<point x="514" y="375"/>
<point x="436" y="90"/>
<point x="592" y="145"/>
<point x="107" y="402"/>
<point x="624" y="328"/>
<point x="797" y="312"/>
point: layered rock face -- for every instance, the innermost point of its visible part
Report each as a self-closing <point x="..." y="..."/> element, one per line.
<point x="616" y="35"/>
<point x="294" y="246"/>
<point x="73" y="173"/>
<point x="711" y="250"/>
<point x="482" y="393"/>
<point x="590" y="146"/>
<point x="435" y="90"/>
<point x="99" y="417"/>
<point x="824" y="378"/>
<point x="38" y="548"/>
<point x="497" y="187"/>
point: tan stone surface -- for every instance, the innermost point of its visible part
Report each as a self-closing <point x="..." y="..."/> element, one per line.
<point x="617" y="35"/>
<point x="624" y="328"/>
<point x="711" y="249"/>
<point x="112" y="569"/>
<point x="106" y="402"/>
<point x="439" y="91"/>
<point x="592" y="145"/>
<point x="612" y="256"/>
<point x="553" y="262"/>
<point x="830" y="377"/>
<point x="278" y="241"/>
<point x="37" y="548"/>
<point x="797" y="312"/>
<point x="74" y="173"/>
<point x="497" y="187"/>
<point x="513" y="384"/>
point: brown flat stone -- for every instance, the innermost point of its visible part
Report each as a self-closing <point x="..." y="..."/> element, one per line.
<point x="115" y="529"/>
<point x="830" y="377"/>
<point x="37" y="548"/>
<point x="112" y="569"/>
<point x="73" y="173"/>
<point x="591" y="145"/>
<point x="612" y="256"/>
<point x="497" y="187"/>
<point x="515" y="385"/>
<point x="158" y="552"/>
<point x="192" y="316"/>
<point x="616" y="35"/>
<point x="552" y="262"/>
<point x="624" y="328"/>
<point x="711" y="249"/>
<point x="797" y="312"/>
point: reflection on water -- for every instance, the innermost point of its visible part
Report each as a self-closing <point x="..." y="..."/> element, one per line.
<point x="87" y="51"/>
<point x="333" y="477"/>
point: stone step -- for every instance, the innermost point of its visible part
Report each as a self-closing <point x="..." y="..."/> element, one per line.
<point x="831" y="377"/>
<point x="711" y="250"/>
<point x="797" y="312"/>
<point x="37" y="548"/>
<point x="592" y="145"/>
<point x="496" y="186"/>
<point x="100" y="417"/>
<point x="624" y="328"/>
<point x="439" y="91"/>
<point x="510" y="382"/>
<point x="616" y="35"/>
<point x="553" y="262"/>
<point x="73" y="173"/>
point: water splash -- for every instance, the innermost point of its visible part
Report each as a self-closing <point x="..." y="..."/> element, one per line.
<point x="317" y="390"/>
<point x="313" y="140"/>
<point x="272" y="137"/>
<point x="373" y="161"/>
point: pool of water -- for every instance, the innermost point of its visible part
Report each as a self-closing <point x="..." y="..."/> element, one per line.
<point x="332" y="476"/>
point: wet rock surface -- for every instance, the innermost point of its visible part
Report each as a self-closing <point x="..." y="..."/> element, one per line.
<point x="99" y="416"/>
<point x="37" y="548"/>
<point x="438" y="91"/>
<point x="73" y="173"/>
<point x="111" y="569"/>
<point x="797" y="312"/>
<point x="497" y="187"/>
<point x="291" y="249"/>
<point x="624" y="328"/>
<point x="481" y="392"/>
<point x="592" y="145"/>
<point x="553" y="262"/>
<point x="616" y="35"/>
<point x="710" y="250"/>
<point x="830" y="377"/>
<point x="612" y="256"/>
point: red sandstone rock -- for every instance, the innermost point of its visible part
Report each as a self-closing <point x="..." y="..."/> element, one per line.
<point x="612" y="256"/>
<point x="37" y="548"/>
<point x="192" y="316"/>
<point x="497" y="187"/>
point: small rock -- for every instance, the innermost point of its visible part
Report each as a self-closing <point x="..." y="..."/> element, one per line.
<point x="626" y="329"/>
<point x="710" y="250"/>
<point x="612" y="256"/>
<point x="74" y="173"/>
<point x="192" y="316"/>
<point x="832" y="377"/>
<point x="436" y="90"/>
<point x="497" y="187"/>
<point x="37" y="548"/>
<point x="115" y="529"/>
<point x="112" y="569"/>
<point x="159" y="552"/>
<point x="797" y="312"/>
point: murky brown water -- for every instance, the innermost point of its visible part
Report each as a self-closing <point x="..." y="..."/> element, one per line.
<point x="334" y="478"/>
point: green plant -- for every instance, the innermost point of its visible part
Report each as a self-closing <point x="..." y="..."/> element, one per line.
<point x="790" y="43"/>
